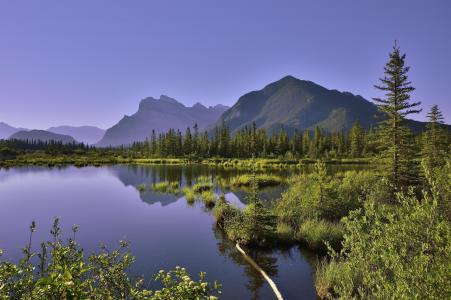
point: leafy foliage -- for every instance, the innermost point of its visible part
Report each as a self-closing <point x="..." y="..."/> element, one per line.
<point x="61" y="271"/>
<point x="400" y="251"/>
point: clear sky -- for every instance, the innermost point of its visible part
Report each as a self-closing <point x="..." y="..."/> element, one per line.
<point x="90" y="62"/>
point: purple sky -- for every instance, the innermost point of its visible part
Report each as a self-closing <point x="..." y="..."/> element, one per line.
<point x="90" y="62"/>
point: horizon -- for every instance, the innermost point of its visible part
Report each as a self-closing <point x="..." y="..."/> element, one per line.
<point x="89" y="64"/>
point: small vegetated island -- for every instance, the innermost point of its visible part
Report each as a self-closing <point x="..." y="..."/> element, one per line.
<point x="380" y="233"/>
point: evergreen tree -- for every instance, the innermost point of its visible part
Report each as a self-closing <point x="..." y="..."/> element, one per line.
<point x="261" y="224"/>
<point x="396" y="138"/>
<point x="435" y="139"/>
<point x="188" y="145"/>
<point x="356" y="137"/>
<point x="305" y="142"/>
<point x="153" y="143"/>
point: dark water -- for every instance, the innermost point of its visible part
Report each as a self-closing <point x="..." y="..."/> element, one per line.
<point x="163" y="230"/>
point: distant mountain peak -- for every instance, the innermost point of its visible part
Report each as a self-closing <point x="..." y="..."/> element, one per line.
<point x="199" y="105"/>
<point x="168" y="99"/>
<point x="159" y="115"/>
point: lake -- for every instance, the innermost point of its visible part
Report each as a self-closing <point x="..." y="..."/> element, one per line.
<point x="163" y="230"/>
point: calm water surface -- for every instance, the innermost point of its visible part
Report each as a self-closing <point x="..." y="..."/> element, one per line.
<point x="163" y="230"/>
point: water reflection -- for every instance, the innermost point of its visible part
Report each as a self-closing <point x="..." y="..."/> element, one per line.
<point x="162" y="229"/>
<point x="134" y="175"/>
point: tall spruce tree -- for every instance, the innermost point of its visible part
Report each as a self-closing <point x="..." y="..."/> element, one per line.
<point x="396" y="138"/>
<point x="435" y="139"/>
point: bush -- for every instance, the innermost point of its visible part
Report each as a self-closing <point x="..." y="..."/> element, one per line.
<point x="62" y="272"/>
<point x="224" y="213"/>
<point x="392" y="252"/>
<point x="318" y="196"/>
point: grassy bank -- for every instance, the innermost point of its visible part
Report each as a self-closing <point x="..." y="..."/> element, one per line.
<point x="43" y="159"/>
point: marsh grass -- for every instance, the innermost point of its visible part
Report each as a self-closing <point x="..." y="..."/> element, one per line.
<point x="316" y="233"/>
<point x="203" y="183"/>
<point x="172" y="187"/>
<point x="189" y="194"/>
<point x="285" y="233"/>
<point x="208" y="197"/>
<point x="263" y="180"/>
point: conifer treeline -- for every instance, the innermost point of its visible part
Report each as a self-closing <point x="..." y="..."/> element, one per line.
<point x="250" y="141"/>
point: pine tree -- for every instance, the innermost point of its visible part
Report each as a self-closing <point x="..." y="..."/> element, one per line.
<point x="435" y="139"/>
<point x="356" y="139"/>
<point x="396" y="137"/>
<point x="153" y="143"/>
<point x="260" y="223"/>
<point x="305" y="142"/>
<point x="188" y="145"/>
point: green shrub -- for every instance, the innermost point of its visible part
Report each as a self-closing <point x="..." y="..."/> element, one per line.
<point x="391" y="251"/>
<point x="63" y="272"/>
<point x="224" y="213"/>
<point x="318" y="196"/>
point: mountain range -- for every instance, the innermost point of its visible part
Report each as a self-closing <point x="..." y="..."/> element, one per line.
<point x="159" y="115"/>
<point x="42" y="135"/>
<point x="288" y="103"/>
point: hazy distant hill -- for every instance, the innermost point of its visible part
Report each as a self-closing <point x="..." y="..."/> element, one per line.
<point x="42" y="135"/>
<point x="6" y="130"/>
<point x="84" y="134"/>
<point x="300" y="104"/>
<point x="161" y="115"/>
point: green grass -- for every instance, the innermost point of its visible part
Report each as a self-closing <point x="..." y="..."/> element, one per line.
<point x="327" y="275"/>
<point x="167" y="187"/>
<point x="203" y="183"/>
<point x="208" y="197"/>
<point x="285" y="233"/>
<point x="189" y="194"/>
<point x="315" y="232"/>
<point x="263" y="180"/>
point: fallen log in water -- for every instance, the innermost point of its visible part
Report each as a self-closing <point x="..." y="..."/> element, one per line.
<point x="257" y="267"/>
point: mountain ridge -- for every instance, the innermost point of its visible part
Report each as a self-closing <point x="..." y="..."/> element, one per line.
<point x="296" y="104"/>
<point x="42" y="135"/>
<point x="160" y="115"/>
